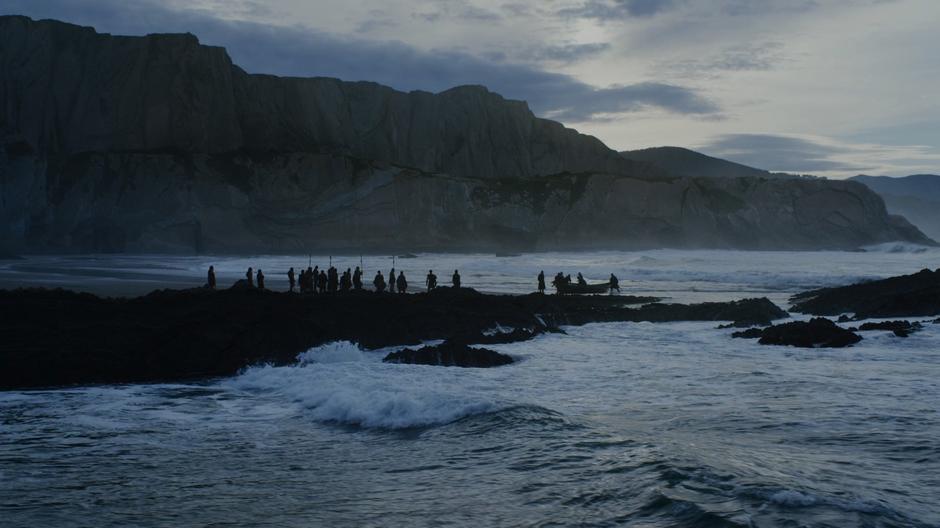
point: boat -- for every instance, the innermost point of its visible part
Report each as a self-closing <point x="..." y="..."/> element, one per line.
<point x="582" y="289"/>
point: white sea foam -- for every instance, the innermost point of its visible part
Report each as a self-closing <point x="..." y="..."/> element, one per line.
<point x="338" y="382"/>
<point x="336" y="352"/>
<point x="899" y="247"/>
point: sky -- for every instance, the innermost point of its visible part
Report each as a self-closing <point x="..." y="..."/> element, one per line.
<point x="827" y="87"/>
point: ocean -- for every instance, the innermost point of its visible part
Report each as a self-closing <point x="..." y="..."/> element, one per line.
<point x="634" y="424"/>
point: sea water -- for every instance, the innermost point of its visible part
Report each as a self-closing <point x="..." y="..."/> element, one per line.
<point x="638" y="424"/>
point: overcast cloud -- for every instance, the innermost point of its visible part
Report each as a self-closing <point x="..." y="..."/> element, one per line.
<point x="831" y="87"/>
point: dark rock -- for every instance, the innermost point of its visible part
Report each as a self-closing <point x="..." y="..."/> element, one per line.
<point x="750" y="333"/>
<point x="450" y="354"/>
<point x="741" y="324"/>
<point x="743" y="313"/>
<point x="900" y="328"/>
<point x="242" y="284"/>
<point x="844" y="319"/>
<point x="913" y="295"/>
<point x="514" y="336"/>
<point x="57" y="337"/>
<point x="816" y="333"/>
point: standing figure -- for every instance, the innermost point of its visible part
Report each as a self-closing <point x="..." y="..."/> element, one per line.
<point x="321" y="282"/>
<point x="391" y="281"/>
<point x="614" y="283"/>
<point x="250" y="277"/>
<point x="314" y="277"/>
<point x="260" y="279"/>
<point x="290" y="280"/>
<point x="402" y="283"/>
<point x="456" y="280"/>
<point x="210" y="280"/>
<point x="332" y="280"/>
<point x="431" y="281"/>
<point x="379" y="282"/>
<point x="541" y="282"/>
<point x="357" y="279"/>
<point x="581" y="281"/>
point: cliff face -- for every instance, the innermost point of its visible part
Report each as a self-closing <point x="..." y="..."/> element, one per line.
<point x="160" y="144"/>
<point x="68" y="89"/>
<point x="916" y="197"/>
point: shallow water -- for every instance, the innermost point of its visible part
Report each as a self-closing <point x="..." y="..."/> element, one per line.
<point x="630" y="423"/>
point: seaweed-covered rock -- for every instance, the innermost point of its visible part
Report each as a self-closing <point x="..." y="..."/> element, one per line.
<point x="450" y="354"/>
<point x="815" y="333"/>
<point x="900" y="328"/>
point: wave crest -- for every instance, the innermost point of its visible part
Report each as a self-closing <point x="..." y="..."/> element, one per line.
<point x="340" y="383"/>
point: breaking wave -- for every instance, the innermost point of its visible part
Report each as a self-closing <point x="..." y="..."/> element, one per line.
<point x="898" y="247"/>
<point x="341" y="383"/>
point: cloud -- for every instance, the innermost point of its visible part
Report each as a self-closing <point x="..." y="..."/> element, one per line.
<point x="611" y="10"/>
<point x="763" y="56"/>
<point x="608" y="10"/>
<point x="459" y="11"/>
<point x="821" y="155"/>
<point x="594" y="104"/>
<point x="300" y="51"/>
<point x="564" y="53"/>
<point x="777" y="153"/>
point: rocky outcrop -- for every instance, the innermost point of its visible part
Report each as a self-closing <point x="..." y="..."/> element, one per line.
<point x="815" y="333"/>
<point x="898" y="328"/>
<point x="160" y="144"/>
<point x="57" y="337"/>
<point x="915" y="295"/>
<point x="450" y="354"/>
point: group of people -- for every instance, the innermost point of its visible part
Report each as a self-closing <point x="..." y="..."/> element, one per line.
<point x="316" y="280"/>
<point x="319" y="281"/>
<point x="562" y="280"/>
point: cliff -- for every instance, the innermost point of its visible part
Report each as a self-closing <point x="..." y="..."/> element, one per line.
<point x="158" y="143"/>
<point x="916" y="197"/>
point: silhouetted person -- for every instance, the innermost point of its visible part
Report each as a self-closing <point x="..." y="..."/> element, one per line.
<point x="250" y="277"/>
<point x="402" y="283"/>
<point x="581" y="281"/>
<point x="431" y="281"/>
<point x="455" y="280"/>
<point x="357" y="279"/>
<point x="379" y="282"/>
<point x="614" y="283"/>
<point x="210" y="280"/>
<point x="391" y="281"/>
<point x="332" y="279"/>
<point x="314" y="278"/>
<point x="260" y="279"/>
<point x="345" y="282"/>
<point x="541" y="282"/>
<point x="291" y="279"/>
<point x="321" y="282"/>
